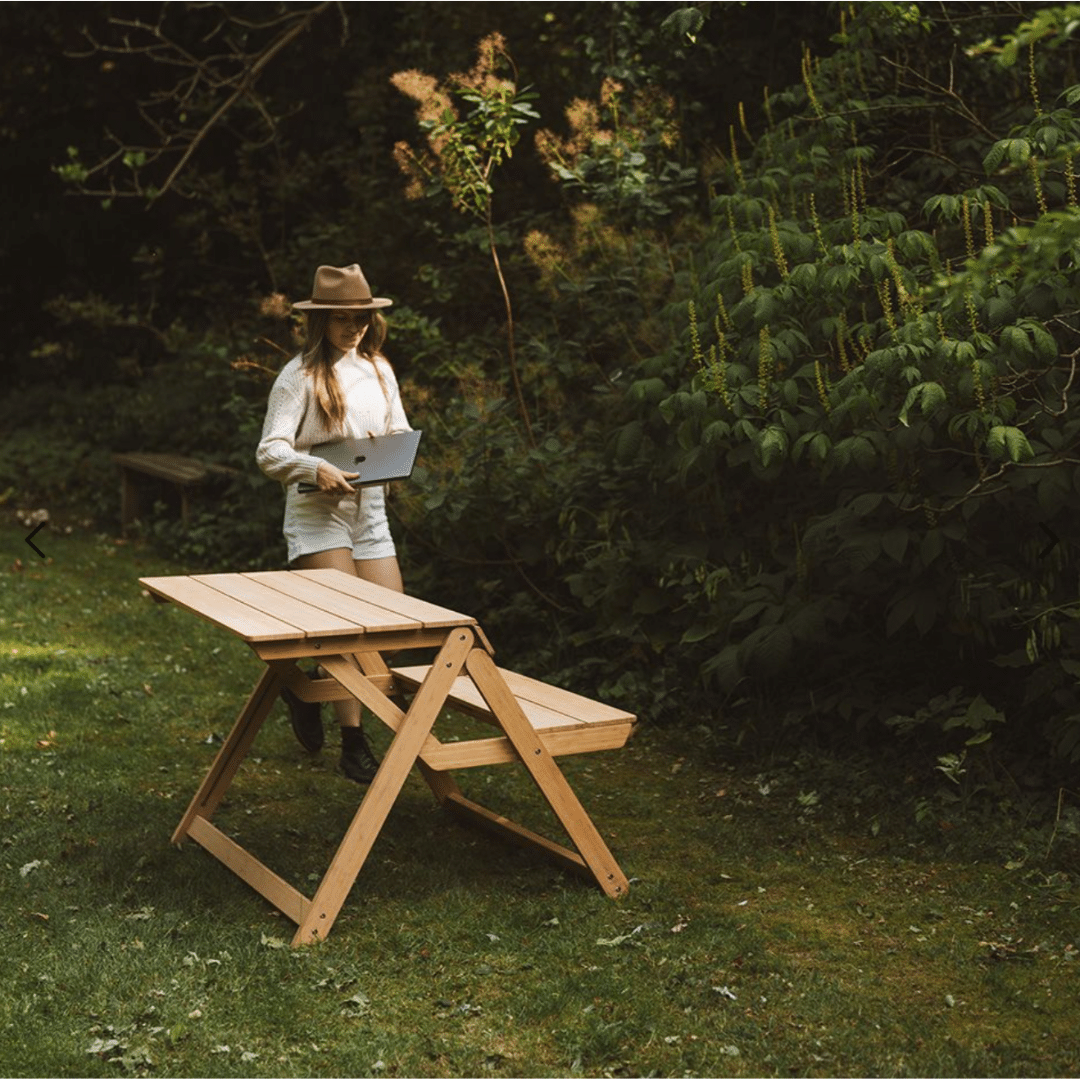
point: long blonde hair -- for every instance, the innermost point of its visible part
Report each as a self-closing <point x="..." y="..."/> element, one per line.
<point x="319" y="356"/>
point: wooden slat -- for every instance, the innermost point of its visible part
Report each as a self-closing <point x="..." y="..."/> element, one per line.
<point x="308" y="689"/>
<point x="383" y="790"/>
<point x="548" y="708"/>
<point x="362" y="688"/>
<point x="410" y="607"/>
<point x="314" y="622"/>
<point x="467" y="698"/>
<point x="215" y="607"/>
<point x="316" y="648"/>
<point x="318" y="594"/>
<point x="551" y="782"/>
<point x="565" y="701"/>
<point x="470" y="753"/>
<point x="179" y="470"/>
<point x="510" y="830"/>
<point x="261" y="878"/>
<point x="233" y="749"/>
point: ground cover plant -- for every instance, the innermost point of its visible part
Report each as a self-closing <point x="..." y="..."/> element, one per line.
<point x="787" y="915"/>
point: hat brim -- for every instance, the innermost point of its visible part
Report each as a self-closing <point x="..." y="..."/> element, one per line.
<point x="358" y="305"/>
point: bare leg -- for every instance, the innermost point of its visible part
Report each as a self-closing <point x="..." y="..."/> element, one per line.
<point x="384" y="572"/>
<point x="348" y="712"/>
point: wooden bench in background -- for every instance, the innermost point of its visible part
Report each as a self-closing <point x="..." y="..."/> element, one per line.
<point x="182" y="472"/>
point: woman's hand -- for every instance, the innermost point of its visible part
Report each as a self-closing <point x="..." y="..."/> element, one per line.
<point x="333" y="481"/>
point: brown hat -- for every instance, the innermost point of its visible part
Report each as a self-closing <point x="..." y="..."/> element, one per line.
<point x="343" y="288"/>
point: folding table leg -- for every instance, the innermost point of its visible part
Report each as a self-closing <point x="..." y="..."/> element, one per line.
<point x="547" y="775"/>
<point x="235" y="748"/>
<point x="384" y="789"/>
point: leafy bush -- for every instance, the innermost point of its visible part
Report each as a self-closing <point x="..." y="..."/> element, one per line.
<point x="871" y="417"/>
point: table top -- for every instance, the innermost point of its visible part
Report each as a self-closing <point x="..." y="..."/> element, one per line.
<point x="293" y="605"/>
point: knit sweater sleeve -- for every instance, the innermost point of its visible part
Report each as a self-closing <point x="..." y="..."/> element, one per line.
<point x="398" y="422"/>
<point x="277" y="454"/>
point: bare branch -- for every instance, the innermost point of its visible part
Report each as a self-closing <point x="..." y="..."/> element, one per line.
<point x="961" y="110"/>
<point x="228" y="72"/>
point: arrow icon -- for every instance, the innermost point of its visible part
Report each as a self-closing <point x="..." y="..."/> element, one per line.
<point x="30" y="540"/>
<point x="1052" y="537"/>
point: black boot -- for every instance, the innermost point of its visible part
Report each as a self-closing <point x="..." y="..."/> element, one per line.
<point x="306" y="720"/>
<point x="358" y="763"/>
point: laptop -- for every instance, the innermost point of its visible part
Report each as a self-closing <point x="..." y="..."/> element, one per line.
<point x="377" y="459"/>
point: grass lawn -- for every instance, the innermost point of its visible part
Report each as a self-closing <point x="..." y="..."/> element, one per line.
<point x="785" y="917"/>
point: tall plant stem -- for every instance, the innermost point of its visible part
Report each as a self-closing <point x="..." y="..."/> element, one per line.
<point x="509" y="331"/>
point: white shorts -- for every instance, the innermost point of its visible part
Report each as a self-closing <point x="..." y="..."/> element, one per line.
<point x="318" y="522"/>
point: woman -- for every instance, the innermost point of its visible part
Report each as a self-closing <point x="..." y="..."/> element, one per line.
<point x="340" y="386"/>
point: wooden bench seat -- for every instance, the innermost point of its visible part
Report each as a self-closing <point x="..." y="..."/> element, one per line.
<point x="566" y="723"/>
<point x="183" y="472"/>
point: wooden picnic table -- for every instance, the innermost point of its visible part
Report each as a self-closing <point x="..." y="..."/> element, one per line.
<point x="348" y="626"/>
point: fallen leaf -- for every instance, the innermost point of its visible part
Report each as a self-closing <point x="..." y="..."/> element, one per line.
<point x="357" y="1005"/>
<point x="103" y="1046"/>
<point x="621" y="939"/>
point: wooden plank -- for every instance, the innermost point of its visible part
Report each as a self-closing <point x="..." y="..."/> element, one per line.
<point x="291" y="903"/>
<point x="401" y="604"/>
<point x="468" y="699"/>
<point x="501" y="826"/>
<point x="364" y="689"/>
<point x="565" y="701"/>
<point x="384" y="789"/>
<point x="316" y="648"/>
<point x="318" y="594"/>
<point x="308" y="689"/>
<point x="314" y="622"/>
<point x="549" y="708"/>
<point x="471" y="753"/>
<point x="233" y="750"/>
<point x="442" y="784"/>
<point x="179" y="470"/>
<point x="545" y="773"/>
<point x="223" y="611"/>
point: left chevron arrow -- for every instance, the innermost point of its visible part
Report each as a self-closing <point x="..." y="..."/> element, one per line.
<point x="30" y="540"/>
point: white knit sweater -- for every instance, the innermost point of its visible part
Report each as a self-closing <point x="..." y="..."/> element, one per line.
<point x="292" y="424"/>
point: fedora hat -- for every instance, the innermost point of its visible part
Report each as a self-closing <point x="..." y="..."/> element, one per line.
<point x="343" y="288"/>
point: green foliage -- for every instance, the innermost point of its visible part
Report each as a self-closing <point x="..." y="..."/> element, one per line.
<point x="795" y="442"/>
<point x="891" y="405"/>
<point x="463" y="151"/>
